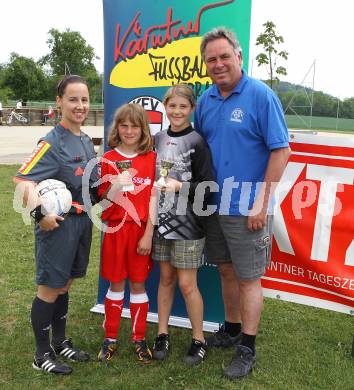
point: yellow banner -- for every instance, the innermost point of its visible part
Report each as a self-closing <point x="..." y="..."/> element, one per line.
<point x="177" y="62"/>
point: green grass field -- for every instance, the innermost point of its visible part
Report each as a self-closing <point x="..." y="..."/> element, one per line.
<point x="320" y="123"/>
<point x="298" y="347"/>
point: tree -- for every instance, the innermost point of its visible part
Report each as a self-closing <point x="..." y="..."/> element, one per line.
<point x="324" y="104"/>
<point x="299" y="102"/>
<point x="269" y="41"/>
<point x="69" y="53"/>
<point x="23" y="78"/>
<point x="95" y="83"/>
<point x="5" y="92"/>
<point x="348" y="108"/>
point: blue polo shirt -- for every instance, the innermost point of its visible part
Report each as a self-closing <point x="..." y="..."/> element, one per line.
<point x="241" y="131"/>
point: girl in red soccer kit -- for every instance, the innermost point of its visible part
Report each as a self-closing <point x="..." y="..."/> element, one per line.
<point x="127" y="177"/>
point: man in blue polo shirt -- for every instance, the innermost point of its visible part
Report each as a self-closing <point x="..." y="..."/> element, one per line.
<point x="243" y="122"/>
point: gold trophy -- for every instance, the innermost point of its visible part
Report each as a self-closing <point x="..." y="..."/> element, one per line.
<point x="123" y="166"/>
<point x="165" y="168"/>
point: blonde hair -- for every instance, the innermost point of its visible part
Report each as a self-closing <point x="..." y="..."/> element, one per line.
<point x="136" y="114"/>
<point x="182" y="90"/>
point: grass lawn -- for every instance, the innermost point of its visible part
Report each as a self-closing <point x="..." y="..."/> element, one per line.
<point x="298" y="347"/>
<point x="320" y="123"/>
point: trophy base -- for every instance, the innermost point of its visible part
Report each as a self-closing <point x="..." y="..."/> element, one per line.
<point x="128" y="188"/>
<point x="160" y="183"/>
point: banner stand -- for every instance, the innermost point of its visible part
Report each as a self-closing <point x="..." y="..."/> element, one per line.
<point x="211" y="291"/>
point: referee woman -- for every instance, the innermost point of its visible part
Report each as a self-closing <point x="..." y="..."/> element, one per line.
<point x="62" y="245"/>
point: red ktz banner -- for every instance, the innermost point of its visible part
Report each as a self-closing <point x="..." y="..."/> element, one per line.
<point x="313" y="245"/>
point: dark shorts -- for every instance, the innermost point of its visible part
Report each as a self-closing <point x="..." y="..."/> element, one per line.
<point x="63" y="253"/>
<point x="228" y="240"/>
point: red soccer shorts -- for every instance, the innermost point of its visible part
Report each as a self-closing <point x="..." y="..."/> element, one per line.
<point x="119" y="256"/>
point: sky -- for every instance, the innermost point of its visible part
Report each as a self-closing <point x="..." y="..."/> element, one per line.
<point x="318" y="35"/>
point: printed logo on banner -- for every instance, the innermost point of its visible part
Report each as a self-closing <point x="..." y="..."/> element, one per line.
<point x="163" y="54"/>
<point x="313" y="251"/>
<point x="156" y="112"/>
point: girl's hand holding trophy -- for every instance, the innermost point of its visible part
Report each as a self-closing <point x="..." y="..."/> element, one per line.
<point x="165" y="183"/>
<point x="124" y="181"/>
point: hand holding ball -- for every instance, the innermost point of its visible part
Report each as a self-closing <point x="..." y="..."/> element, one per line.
<point x="55" y="198"/>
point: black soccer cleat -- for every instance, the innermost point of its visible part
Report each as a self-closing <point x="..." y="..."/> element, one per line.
<point x="161" y="347"/>
<point x="48" y="363"/>
<point x="67" y="350"/>
<point x="197" y="352"/>
<point x="143" y="352"/>
<point x="107" y="351"/>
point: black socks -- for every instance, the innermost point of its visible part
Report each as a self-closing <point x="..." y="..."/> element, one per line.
<point x="249" y="341"/>
<point x="232" y="328"/>
<point x="41" y="318"/>
<point x="46" y="315"/>
<point x="59" y="319"/>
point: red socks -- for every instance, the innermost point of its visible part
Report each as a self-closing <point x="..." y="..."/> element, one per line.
<point x="113" y="306"/>
<point x="139" y="307"/>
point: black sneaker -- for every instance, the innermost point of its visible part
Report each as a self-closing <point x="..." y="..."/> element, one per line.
<point x="107" y="350"/>
<point x="142" y="351"/>
<point x="222" y="339"/>
<point x="242" y="363"/>
<point x="67" y="350"/>
<point x="161" y="346"/>
<point x="197" y="352"/>
<point x="49" y="363"/>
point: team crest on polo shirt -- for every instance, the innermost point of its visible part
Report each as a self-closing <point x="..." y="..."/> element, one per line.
<point x="237" y="115"/>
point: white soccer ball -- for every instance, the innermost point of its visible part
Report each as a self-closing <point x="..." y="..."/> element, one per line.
<point x="55" y="197"/>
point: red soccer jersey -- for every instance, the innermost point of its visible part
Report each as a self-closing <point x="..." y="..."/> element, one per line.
<point x="129" y="205"/>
